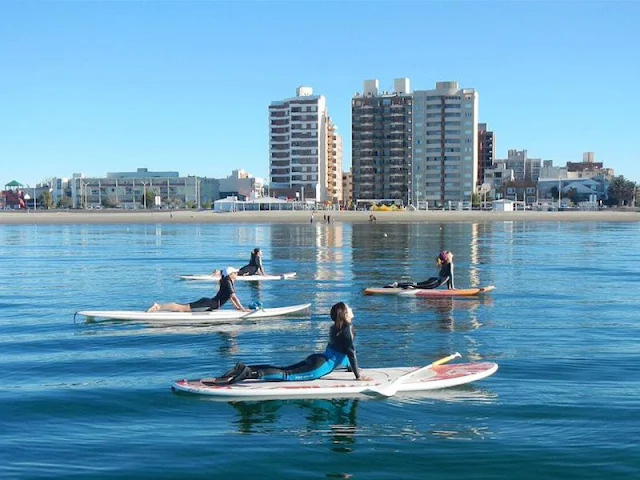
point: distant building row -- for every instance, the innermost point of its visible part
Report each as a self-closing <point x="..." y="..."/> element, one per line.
<point x="134" y="190"/>
<point x="423" y="148"/>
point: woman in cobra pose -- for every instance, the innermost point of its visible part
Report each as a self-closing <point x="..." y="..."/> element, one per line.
<point x="225" y="293"/>
<point x="340" y="352"/>
<point x="255" y="264"/>
<point x="444" y="261"/>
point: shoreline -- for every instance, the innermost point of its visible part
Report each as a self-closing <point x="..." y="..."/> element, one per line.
<point x="70" y="217"/>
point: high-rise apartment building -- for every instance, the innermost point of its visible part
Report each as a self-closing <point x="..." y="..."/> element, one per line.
<point x="486" y="151"/>
<point x="298" y="142"/>
<point x="381" y="143"/>
<point x="347" y="189"/>
<point x="334" y="164"/>
<point x="445" y="139"/>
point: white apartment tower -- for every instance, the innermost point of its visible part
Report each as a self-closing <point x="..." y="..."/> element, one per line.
<point x="298" y="143"/>
<point x="445" y="144"/>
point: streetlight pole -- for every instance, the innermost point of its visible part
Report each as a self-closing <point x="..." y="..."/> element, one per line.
<point x="35" y="206"/>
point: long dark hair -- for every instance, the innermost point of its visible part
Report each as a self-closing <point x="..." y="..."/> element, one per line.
<point x="339" y="315"/>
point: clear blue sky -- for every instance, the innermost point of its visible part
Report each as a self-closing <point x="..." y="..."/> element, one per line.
<point x="95" y="87"/>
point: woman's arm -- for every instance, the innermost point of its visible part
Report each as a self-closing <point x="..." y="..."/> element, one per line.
<point x="351" y="352"/>
<point x="450" y="284"/>
<point x="237" y="304"/>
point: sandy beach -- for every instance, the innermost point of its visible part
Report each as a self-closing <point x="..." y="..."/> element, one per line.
<point x="45" y="217"/>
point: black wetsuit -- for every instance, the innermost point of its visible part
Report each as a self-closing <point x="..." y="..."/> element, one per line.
<point x="206" y="304"/>
<point x="255" y="264"/>
<point x="445" y="275"/>
<point x="340" y="352"/>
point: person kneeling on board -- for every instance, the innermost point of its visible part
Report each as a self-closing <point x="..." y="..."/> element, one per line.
<point x="225" y="293"/>
<point x="340" y="352"/>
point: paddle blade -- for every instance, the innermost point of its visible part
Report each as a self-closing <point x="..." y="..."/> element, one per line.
<point x="391" y="388"/>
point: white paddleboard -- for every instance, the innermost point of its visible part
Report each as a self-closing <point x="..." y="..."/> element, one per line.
<point x="242" y="278"/>
<point x="195" y="317"/>
<point x="342" y="383"/>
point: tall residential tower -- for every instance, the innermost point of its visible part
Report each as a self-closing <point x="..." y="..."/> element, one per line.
<point x="381" y="143"/>
<point x="486" y="150"/>
<point x="445" y="154"/>
<point x="334" y="164"/>
<point x="298" y="142"/>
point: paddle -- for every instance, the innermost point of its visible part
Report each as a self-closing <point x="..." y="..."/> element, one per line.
<point x="391" y="388"/>
<point x="248" y="314"/>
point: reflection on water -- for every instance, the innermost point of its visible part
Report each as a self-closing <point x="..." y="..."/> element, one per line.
<point x="335" y="418"/>
<point x="449" y="309"/>
<point x="335" y="421"/>
<point x="464" y="393"/>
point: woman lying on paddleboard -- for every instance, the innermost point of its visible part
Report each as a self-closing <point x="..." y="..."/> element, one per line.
<point x="340" y="352"/>
<point x="255" y="264"/>
<point x="225" y="293"/>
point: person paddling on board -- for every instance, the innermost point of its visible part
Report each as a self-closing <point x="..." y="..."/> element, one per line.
<point x="340" y="352"/>
<point x="225" y="293"/>
<point x="255" y="264"/>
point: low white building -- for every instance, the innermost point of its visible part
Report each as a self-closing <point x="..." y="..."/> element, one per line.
<point x="232" y="204"/>
<point x="503" y="205"/>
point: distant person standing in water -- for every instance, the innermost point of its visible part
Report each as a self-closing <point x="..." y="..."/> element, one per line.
<point x="255" y="264"/>
<point x="225" y="293"/>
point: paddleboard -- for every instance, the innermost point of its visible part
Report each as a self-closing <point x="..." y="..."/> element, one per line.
<point x="463" y="292"/>
<point x="342" y="383"/>
<point x="242" y="278"/>
<point x="424" y="292"/>
<point x="222" y="316"/>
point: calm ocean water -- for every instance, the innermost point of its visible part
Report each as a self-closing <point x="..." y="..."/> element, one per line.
<point x="92" y="400"/>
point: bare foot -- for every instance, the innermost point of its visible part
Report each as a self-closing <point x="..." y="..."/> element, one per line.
<point x="154" y="308"/>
